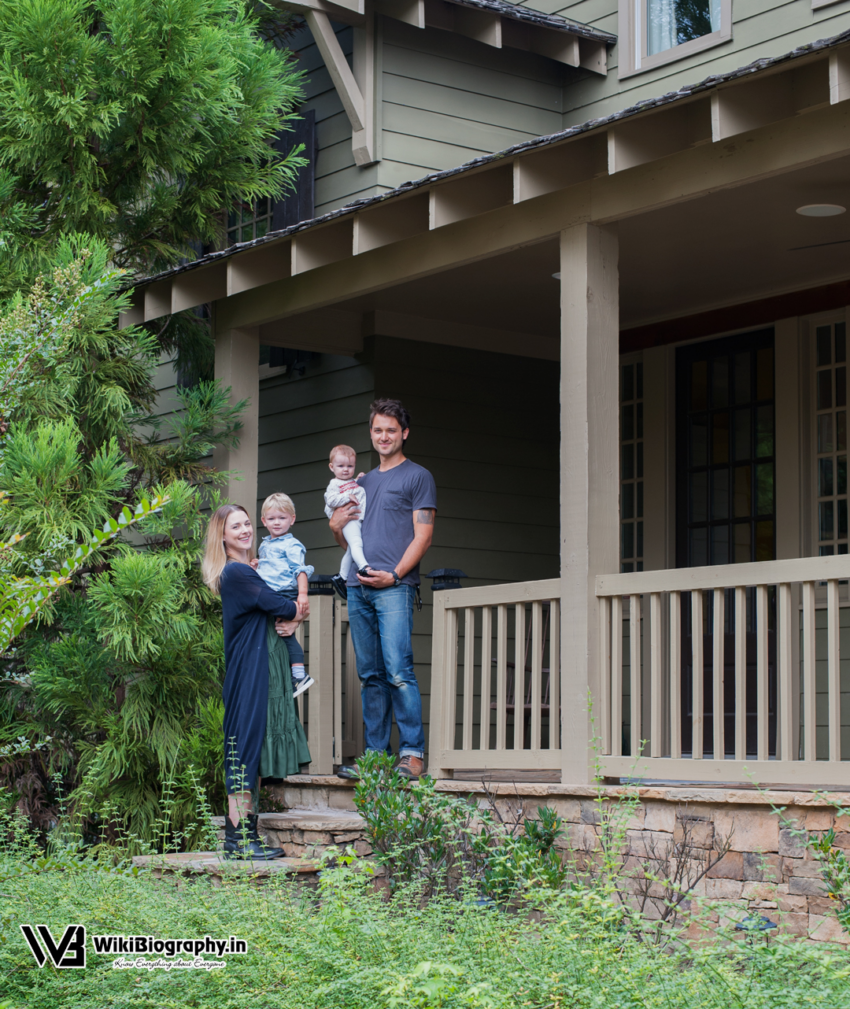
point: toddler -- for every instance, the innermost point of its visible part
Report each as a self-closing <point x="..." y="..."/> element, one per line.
<point x="343" y="487"/>
<point x="281" y="566"/>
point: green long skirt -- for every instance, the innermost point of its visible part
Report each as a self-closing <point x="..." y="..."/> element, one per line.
<point x="285" y="745"/>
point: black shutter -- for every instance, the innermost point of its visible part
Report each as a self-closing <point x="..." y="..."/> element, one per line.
<point x="297" y="205"/>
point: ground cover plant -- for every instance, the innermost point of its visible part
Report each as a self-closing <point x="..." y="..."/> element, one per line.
<point x="348" y="947"/>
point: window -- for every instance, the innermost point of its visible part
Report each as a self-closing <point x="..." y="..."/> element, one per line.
<point x="725" y="451"/>
<point x="831" y="436"/>
<point x="655" y="32"/>
<point x="631" y="467"/>
<point x="249" y="222"/>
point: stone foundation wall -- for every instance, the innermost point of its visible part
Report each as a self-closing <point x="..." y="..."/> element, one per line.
<point x="767" y="871"/>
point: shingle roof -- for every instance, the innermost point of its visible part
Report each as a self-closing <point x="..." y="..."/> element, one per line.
<point x="688" y="91"/>
<point x="532" y="17"/>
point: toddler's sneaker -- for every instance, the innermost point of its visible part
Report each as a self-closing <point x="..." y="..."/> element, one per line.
<point x="299" y="686"/>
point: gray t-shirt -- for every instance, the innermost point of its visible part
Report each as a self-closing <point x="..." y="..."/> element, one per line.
<point x="391" y="500"/>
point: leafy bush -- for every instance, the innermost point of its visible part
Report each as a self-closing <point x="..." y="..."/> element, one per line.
<point x="350" y="948"/>
<point x="446" y="843"/>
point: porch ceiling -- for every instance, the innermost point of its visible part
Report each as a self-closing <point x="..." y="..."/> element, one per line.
<point x="727" y="248"/>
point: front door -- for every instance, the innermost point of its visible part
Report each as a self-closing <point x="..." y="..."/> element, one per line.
<point x="725" y="501"/>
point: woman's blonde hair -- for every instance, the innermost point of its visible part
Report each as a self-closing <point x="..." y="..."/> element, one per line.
<point x="215" y="556"/>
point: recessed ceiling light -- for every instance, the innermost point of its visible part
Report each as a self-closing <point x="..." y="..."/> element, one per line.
<point x="821" y="210"/>
<point x="556" y="276"/>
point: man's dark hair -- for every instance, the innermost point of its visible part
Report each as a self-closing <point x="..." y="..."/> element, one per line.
<point x="390" y="408"/>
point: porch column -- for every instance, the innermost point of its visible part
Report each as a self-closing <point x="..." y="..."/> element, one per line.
<point x="590" y="507"/>
<point x="237" y="364"/>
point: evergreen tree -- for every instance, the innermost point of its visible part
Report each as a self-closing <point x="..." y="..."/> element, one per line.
<point x="138" y="122"/>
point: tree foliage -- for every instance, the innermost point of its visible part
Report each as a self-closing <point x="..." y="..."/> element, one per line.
<point x="116" y="687"/>
<point x="137" y="122"/>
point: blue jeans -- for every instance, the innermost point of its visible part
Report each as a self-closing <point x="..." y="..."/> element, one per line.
<point x="381" y="625"/>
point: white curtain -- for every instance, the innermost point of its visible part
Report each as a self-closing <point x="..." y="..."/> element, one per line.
<point x="661" y="25"/>
<point x="715" y="15"/>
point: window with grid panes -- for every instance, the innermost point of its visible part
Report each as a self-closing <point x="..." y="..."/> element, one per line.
<point x="631" y="467"/>
<point x="831" y="406"/>
<point x="249" y="222"/>
<point x="725" y="451"/>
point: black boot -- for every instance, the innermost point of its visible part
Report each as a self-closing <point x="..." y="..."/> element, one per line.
<point x="243" y="841"/>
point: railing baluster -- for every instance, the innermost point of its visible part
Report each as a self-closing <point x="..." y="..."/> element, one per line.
<point x="718" y="675"/>
<point x="809" y="658"/>
<point x="740" y="673"/>
<point x="501" y="676"/>
<point x="784" y="648"/>
<point x="486" y="659"/>
<point x="519" y="676"/>
<point x="337" y="682"/>
<point x="605" y="671"/>
<point x="451" y="678"/>
<point x="834" y="673"/>
<point x="536" y="672"/>
<point x="675" y="675"/>
<point x="655" y="691"/>
<point x="696" y="675"/>
<point x="761" y="672"/>
<point x="468" y="674"/>
<point x="554" y="675"/>
<point x="617" y="676"/>
<point x="634" y="673"/>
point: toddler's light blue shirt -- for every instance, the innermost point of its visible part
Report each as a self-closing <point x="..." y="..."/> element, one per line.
<point x="282" y="561"/>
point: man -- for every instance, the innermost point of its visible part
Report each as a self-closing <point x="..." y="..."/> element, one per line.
<point x="401" y="502"/>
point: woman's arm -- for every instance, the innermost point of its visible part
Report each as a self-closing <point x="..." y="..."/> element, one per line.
<point x="254" y="594"/>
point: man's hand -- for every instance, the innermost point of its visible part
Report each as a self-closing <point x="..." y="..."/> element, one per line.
<point x="340" y="519"/>
<point x="286" y="628"/>
<point x="377" y="580"/>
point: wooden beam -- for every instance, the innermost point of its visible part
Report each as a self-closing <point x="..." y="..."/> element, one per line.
<point x="347" y="11"/>
<point x="559" y="167"/>
<point x="365" y="59"/>
<point x="483" y="26"/>
<point x="259" y="266"/>
<point x="135" y="315"/>
<point x="795" y="143"/>
<point x="411" y="12"/>
<point x="470" y="195"/>
<point x="589" y="472"/>
<point x="360" y="114"/>
<point x="839" y="75"/>
<point x="157" y="299"/>
<point x="560" y="46"/>
<point x="458" y="334"/>
<point x="648" y="138"/>
<point x="319" y="246"/>
<point x="593" y="56"/>
<point x="196" y="287"/>
<point x="742" y="106"/>
<point x="390" y="222"/>
<point x="328" y="330"/>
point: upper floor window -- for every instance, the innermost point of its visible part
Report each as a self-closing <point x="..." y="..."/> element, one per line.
<point x="655" y="32"/>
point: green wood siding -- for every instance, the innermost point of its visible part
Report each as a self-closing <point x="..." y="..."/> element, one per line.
<point x="338" y="180"/>
<point x="448" y="99"/>
<point x="760" y="28"/>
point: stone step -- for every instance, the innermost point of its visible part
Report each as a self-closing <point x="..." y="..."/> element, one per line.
<point x="216" y="866"/>
<point x="308" y="832"/>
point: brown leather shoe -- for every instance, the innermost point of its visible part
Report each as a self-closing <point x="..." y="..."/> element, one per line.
<point x="410" y="766"/>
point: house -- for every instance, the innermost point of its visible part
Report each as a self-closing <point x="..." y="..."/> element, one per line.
<point x="614" y="299"/>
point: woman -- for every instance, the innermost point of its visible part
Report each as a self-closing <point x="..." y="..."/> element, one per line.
<point x="262" y="732"/>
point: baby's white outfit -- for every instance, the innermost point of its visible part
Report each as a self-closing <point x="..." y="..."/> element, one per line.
<point x="337" y="494"/>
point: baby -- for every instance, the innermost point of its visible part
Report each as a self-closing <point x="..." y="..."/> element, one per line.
<point x="340" y="490"/>
<point x="281" y="566"/>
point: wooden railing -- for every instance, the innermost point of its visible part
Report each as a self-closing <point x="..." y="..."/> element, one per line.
<point x="495" y="678"/>
<point x="331" y="709"/>
<point x="728" y="673"/>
